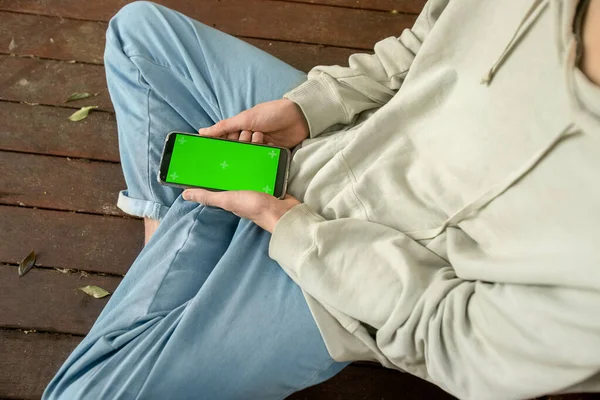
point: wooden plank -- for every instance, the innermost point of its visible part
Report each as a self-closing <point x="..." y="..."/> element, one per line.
<point x="51" y="82"/>
<point x="403" y="6"/>
<point x="29" y="361"/>
<point x="24" y="352"/>
<point x="84" y="41"/>
<point x="62" y="39"/>
<point x="22" y="375"/>
<point x="359" y="382"/>
<point x="67" y="240"/>
<point x="304" y="56"/>
<point x="60" y="183"/>
<point x="48" y="300"/>
<point x="289" y="21"/>
<point x="47" y="130"/>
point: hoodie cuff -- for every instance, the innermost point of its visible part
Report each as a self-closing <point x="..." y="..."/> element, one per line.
<point x="293" y="238"/>
<point x="320" y="104"/>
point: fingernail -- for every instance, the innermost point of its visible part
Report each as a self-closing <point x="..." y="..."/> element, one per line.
<point x="185" y="195"/>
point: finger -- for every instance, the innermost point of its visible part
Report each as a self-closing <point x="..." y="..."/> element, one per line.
<point x="237" y="123"/>
<point x="257" y="137"/>
<point x="206" y="197"/>
<point x="246" y="136"/>
<point x="233" y="136"/>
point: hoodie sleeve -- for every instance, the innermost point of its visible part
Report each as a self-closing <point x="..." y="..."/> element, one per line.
<point x="475" y="339"/>
<point x="335" y="95"/>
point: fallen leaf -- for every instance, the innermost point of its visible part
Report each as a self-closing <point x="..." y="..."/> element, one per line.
<point x="29" y="331"/>
<point x="64" y="270"/>
<point x="31" y="104"/>
<point x="80" y="96"/>
<point x="94" y="291"/>
<point x="12" y="45"/>
<point x="394" y="11"/>
<point x="27" y="263"/>
<point x="82" y="113"/>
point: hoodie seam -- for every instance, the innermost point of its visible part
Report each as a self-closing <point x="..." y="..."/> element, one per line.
<point x="337" y="97"/>
<point x="353" y="179"/>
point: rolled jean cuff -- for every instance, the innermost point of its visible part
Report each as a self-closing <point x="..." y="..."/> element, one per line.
<point x="141" y="208"/>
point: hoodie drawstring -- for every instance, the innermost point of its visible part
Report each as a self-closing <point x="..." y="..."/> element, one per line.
<point x="487" y="79"/>
<point x="496" y="190"/>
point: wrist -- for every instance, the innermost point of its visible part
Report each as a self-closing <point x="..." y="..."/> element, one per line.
<point x="272" y="217"/>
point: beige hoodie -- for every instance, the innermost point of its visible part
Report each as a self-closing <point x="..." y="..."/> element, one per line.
<point x="457" y="216"/>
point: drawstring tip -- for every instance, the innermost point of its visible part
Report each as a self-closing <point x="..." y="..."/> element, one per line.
<point x="487" y="78"/>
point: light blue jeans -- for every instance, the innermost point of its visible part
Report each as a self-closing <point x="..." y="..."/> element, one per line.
<point x="203" y="313"/>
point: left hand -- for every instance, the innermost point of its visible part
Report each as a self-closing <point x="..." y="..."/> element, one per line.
<point x="265" y="210"/>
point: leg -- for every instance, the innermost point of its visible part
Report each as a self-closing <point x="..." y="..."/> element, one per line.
<point x="166" y="72"/>
<point x="245" y="333"/>
<point x="203" y="312"/>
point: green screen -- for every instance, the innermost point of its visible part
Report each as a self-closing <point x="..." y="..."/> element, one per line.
<point x="225" y="165"/>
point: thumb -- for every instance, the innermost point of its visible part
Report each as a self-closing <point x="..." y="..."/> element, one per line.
<point x="230" y="125"/>
<point x="224" y="200"/>
<point x="199" y="196"/>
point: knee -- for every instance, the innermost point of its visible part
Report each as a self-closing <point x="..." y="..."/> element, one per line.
<point x="134" y="16"/>
<point x="133" y="26"/>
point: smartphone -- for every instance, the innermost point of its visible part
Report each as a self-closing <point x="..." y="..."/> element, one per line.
<point x="190" y="160"/>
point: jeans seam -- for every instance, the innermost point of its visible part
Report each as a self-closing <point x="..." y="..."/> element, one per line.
<point x="148" y="141"/>
<point x="171" y="265"/>
<point x="167" y="68"/>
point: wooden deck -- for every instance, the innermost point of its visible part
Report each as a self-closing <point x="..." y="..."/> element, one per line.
<point x="60" y="179"/>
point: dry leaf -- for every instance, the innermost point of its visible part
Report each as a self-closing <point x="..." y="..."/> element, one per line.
<point x="82" y="113"/>
<point x="394" y="11"/>
<point x="80" y="96"/>
<point x="27" y="263"/>
<point x="94" y="291"/>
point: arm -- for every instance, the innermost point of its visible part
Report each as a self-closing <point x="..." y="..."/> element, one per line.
<point x="477" y="340"/>
<point x="335" y="95"/>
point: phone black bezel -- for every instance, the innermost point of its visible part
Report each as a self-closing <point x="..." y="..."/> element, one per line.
<point x="282" y="167"/>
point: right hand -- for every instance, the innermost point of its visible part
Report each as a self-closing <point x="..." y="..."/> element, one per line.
<point x="278" y="122"/>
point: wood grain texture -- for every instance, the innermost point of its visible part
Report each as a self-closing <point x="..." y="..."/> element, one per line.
<point x="29" y="361"/>
<point x="53" y="295"/>
<point x="47" y="130"/>
<point x="69" y="39"/>
<point x="60" y="183"/>
<point x="25" y="352"/>
<point x="51" y="82"/>
<point x="62" y="39"/>
<point x="403" y="6"/>
<point x="67" y="240"/>
<point x="360" y="382"/>
<point x="262" y="19"/>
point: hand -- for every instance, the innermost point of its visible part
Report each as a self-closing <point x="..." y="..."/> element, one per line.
<point x="278" y="122"/>
<point x="265" y="210"/>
